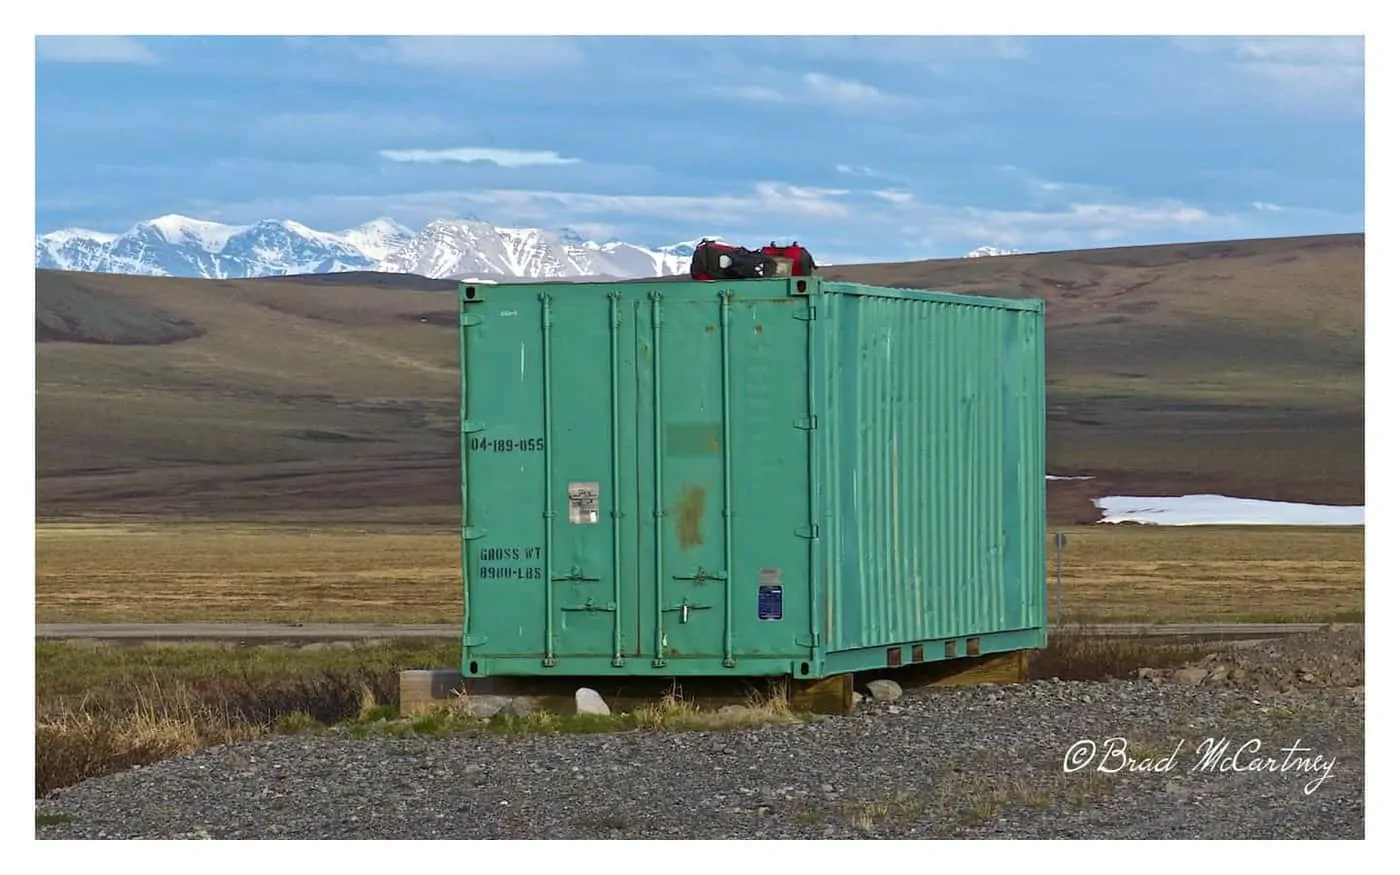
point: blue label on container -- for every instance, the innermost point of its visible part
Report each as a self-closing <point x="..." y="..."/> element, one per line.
<point x="770" y="602"/>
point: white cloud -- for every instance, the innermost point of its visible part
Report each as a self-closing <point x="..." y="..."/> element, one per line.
<point x="819" y="88"/>
<point x="757" y="93"/>
<point x="764" y="204"/>
<point x="901" y="49"/>
<point x="855" y="170"/>
<point x="1294" y="73"/>
<point x="499" y="157"/>
<point x="829" y="89"/>
<point x="1286" y="49"/>
<point x="768" y="198"/>
<point x="1266" y="207"/>
<point x="92" y="50"/>
<point x="490" y="53"/>
<point x="1074" y="225"/>
<point x="894" y="197"/>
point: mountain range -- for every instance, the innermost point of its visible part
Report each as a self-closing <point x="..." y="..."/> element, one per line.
<point x="467" y="248"/>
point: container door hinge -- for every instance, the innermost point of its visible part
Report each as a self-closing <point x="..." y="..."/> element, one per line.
<point x="471" y="533"/>
<point x="474" y="640"/>
<point x="806" y="423"/>
<point x="470" y="320"/>
<point x="806" y="314"/>
<point x="472" y="426"/>
<point x="809" y="532"/>
<point x="807" y="641"/>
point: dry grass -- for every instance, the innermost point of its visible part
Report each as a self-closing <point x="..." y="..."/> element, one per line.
<point x="99" y="710"/>
<point x="74" y="743"/>
<point x="215" y="573"/>
<point x="251" y="573"/>
<point x="1073" y="656"/>
<point x="1205" y="574"/>
<point x="107" y="708"/>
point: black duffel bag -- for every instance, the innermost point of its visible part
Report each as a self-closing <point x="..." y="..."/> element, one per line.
<point x="713" y="260"/>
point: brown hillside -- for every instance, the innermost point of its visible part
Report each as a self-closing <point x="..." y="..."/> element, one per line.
<point x="1234" y="367"/>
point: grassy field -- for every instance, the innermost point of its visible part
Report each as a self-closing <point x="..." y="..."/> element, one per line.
<point x="1233" y="367"/>
<point x="1212" y="574"/>
<point x="252" y="573"/>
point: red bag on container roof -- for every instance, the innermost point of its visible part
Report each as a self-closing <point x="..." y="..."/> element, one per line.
<point x="802" y="261"/>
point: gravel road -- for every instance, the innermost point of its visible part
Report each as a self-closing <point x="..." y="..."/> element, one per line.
<point x="970" y="762"/>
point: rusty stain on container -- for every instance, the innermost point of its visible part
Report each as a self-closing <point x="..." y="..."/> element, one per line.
<point x="974" y="646"/>
<point x="758" y="329"/>
<point x="950" y="649"/>
<point x="691" y="508"/>
<point x="893" y="657"/>
<point x="916" y="654"/>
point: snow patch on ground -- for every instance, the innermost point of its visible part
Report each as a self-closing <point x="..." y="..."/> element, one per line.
<point x="1222" y="510"/>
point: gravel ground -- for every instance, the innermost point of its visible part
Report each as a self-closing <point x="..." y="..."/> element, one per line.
<point x="970" y="762"/>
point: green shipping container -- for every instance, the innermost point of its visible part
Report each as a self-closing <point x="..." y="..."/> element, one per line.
<point x="748" y="478"/>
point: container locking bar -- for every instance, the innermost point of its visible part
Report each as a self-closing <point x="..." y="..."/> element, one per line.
<point x="577" y="574"/>
<point x="701" y="575"/>
<point x="725" y="299"/>
<point x="614" y="324"/>
<point x="591" y="605"/>
<point x="813" y="553"/>
<point x="547" y="380"/>
<point x="658" y="496"/>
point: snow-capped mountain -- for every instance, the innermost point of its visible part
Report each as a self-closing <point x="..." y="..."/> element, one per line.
<point x="184" y="247"/>
<point x="378" y="239"/>
<point x="986" y="251"/>
<point x="180" y="246"/>
<point x="454" y="248"/>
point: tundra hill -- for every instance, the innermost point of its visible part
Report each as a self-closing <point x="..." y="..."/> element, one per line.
<point x="1233" y="367"/>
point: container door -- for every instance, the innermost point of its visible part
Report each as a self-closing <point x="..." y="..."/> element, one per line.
<point x="550" y="460"/>
<point x="682" y="437"/>
<point x="723" y="479"/>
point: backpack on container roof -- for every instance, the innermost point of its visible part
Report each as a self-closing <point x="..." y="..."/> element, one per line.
<point x="797" y="256"/>
<point x="713" y="260"/>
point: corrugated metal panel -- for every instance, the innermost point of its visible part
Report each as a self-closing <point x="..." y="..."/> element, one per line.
<point x="936" y="467"/>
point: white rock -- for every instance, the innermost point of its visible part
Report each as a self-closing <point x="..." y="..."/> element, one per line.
<point x="588" y="701"/>
<point x="884" y="691"/>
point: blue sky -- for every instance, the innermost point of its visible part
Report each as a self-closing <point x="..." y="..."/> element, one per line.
<point x="863" y="148"/>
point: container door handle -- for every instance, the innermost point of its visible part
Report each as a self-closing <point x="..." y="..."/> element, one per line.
<point x="684" y="609"/>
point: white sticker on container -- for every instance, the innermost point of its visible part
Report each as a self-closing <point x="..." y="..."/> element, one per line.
<point x="583" y="504"/>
